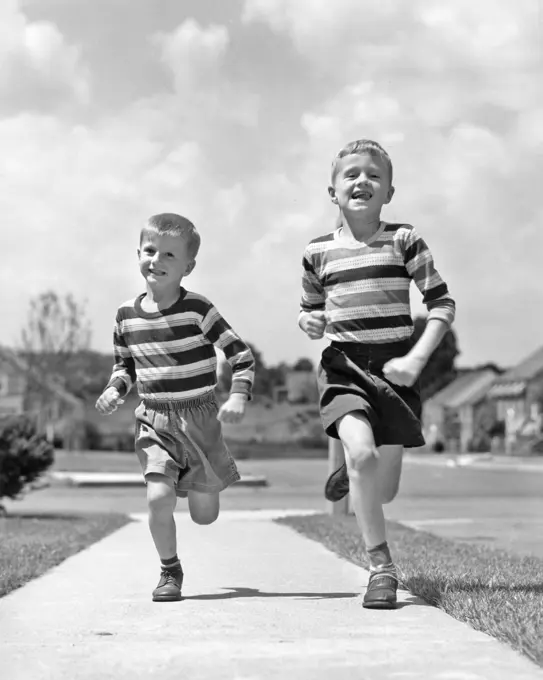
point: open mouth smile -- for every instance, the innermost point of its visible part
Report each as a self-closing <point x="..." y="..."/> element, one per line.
<point x="359" y="195"/>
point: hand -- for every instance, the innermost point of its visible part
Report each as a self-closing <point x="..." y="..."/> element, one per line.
<point x="233" y="409"/>
<point x="403" y="370"/>
<point x="313" y="323"/>
<point x="108" y="401"/>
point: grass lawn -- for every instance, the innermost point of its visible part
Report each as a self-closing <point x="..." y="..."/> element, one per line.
<point x="494" y="592"/>
<point x="113" y="461"/>
<point x="31" y="545"/>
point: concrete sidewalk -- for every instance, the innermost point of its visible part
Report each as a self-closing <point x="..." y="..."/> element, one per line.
<point x="260" y="602"/>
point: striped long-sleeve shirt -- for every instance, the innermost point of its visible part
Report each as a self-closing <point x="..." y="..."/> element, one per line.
<point x="170" y="354"/>
<point x="363" y="287"/>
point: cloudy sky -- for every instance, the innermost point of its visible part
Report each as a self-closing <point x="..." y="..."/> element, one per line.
<point x="230" y="113"/>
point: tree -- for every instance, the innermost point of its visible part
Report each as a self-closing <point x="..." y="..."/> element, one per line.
<point x="56" y="329"/>
<point x="303" y="364"/>
<point x="278" y="374"/>
<point x="440" y="369"/>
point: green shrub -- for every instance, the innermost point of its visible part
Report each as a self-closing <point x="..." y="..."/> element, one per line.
<point x="24" y="454"/>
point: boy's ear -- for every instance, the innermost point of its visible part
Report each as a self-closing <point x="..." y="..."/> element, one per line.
<point x="139" y="253"/>
<point x="390" y="194"/>
<point x="190" y="267"/>
<point x="332" y="194"/>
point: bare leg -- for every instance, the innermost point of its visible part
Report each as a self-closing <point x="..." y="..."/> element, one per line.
<point x="373" y="479"/>
<point x="161" y="500"/>
<point x="389" y="470"/>
<point x="361" y="458"/>
<point x="203" y="507"/>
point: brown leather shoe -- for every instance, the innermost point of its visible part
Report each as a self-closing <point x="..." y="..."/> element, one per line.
<point x="381" y="591"/>
<point x="169" y="586"/>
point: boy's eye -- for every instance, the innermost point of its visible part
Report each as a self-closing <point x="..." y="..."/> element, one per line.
<point x="170" y="255"/>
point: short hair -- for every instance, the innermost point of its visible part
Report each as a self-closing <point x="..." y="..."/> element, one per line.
<point x="171" y="224"/>
<point x="360" y="146"/>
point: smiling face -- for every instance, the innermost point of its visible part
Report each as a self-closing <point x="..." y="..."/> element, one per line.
<point x="361" y="185"/>
<point x="164" y="260"/>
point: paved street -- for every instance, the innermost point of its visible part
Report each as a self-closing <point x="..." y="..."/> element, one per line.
<point x="502" y="508"/>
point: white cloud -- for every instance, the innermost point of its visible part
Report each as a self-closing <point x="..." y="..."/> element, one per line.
<point x="454" y="94"/>
<point x="195" y="57"/>
<point x="242" y="144"/>
<point x="38" y="68"/>
<point x="193" y="54"/>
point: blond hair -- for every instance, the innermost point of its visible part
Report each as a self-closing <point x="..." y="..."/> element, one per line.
<point x="360" y="146"/>
<point x="171" y="224"/>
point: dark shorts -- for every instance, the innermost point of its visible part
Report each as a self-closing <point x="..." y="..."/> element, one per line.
<point x="183" y="441"/>
<point x="350" y="378"/>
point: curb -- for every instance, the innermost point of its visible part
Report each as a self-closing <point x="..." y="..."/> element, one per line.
<point x="100" y="479"/>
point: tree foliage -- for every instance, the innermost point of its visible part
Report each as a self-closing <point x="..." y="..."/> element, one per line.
<point x="24" y="454"/>
<point x="56" y="330"/>
<point x="56" y="326"/>
<point x="303" y="364"/>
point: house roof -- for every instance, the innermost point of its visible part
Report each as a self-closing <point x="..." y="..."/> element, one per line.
<point x="511" y="390"/>
<point x="15" y="360"/>
<point x="513" y="382"/>
<point x="467" y="389"/>
<point x="526" y="369"/>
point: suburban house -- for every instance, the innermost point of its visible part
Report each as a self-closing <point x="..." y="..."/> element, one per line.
<point x="58" y="413"/>
<point x="518" y="396"/>
<point x="457" y="416"/>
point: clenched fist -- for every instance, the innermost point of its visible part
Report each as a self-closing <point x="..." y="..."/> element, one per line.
<point x="313" y="323"/>
<point x="108" y="401"/>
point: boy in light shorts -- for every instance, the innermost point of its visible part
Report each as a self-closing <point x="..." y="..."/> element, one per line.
<point x="164" y="342"/>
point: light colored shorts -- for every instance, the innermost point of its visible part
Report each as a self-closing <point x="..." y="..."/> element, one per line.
<point x="183" y="440"/>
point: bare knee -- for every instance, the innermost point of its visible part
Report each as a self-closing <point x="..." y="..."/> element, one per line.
<point x="203" y="508"/>
<point x="358" y="443"/>
<point x="205" y="517"/>
<point x="360" y="457"/>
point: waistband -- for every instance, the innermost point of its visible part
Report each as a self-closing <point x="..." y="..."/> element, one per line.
<point x="366" y="349"/>
<point x="179" y="404"/>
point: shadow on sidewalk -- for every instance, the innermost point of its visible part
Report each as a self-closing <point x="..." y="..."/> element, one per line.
<point x="49" y="515"/>
<point x="254" y="592"/>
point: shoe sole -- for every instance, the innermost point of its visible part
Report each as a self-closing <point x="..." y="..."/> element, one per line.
<point x="330" y="492"/>
<point x="168" y="598"/>
<point x="379" y="605"/>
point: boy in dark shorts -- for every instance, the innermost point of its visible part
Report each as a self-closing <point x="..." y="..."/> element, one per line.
<point x="164" y="342"/>
<point x="356" y="283"/>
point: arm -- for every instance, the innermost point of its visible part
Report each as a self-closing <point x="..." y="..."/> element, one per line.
<point x="441" y="312"/>
<point x="429" y="341"/>
<point x="312" y="317"/>
<point x="123" y="376"/>
<point x="420" y="267"/>
<point x="238" y="354"/>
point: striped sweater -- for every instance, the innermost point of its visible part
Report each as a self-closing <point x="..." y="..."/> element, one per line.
<point x="170" y="354"/>
<point x="363" y="287"/>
